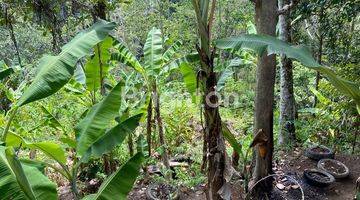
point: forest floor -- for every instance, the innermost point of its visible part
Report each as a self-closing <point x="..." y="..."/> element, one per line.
<point x="292" y="165"/>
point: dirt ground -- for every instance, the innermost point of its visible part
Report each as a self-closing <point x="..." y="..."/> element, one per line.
<point x="291" y="165"/>
<point x="342" y="189"/>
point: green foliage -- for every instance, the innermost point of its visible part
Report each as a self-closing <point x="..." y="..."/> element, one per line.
<point x="5" y="71"/>
<point x="153" y="51"/>
<point x="51" y="149"/>
<point x="22" y="181"/>
<point x="115" y="136"/>
<point x="262" y="43"/>
<point x="189" y="77"/>
<point x="56" y="71"/>
<point x="119" y="184"/>
<point x="92" y="127"/>
<point x="96" y="67"/>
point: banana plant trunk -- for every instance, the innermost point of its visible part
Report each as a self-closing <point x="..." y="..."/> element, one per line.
<point x="216" y="144"/>
<point x="164" y="155"/>
<point x="287" y="99"/>
<point x="148" y="125"/>
<point x="131" y="145"/>
<point x="266" y="20"/>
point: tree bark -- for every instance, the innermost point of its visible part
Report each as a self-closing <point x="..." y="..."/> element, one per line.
<point x="148" y="125"/>
<point x="8" y="22"/>
<point x="266" y="20"/>
<point x="287" y="99"/>
<point x="99" y="10"/>
<point x="164" y="155"/>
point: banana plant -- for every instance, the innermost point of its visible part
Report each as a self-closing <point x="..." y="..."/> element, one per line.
<point x="55" y="71"/>
<point x="158" y="63"/>
<point x="22" y="181"/>
<point x="267" y="44"/>
<point x="93" y="135"/>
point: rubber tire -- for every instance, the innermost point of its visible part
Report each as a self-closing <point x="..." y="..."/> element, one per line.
<point x="318" y="156"/>
<point x="318" y="183"/>
<point x="335" y="175"/>
<point x="151" y="197"/>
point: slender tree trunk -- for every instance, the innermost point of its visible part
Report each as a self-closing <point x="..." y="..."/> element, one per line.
<point x="160" y="127"/>
<point x="320" y="52"/>
<point x="8" y="22"/>
<point x="266" y="20"/>
<point x="287" y="99"/>
<point x="149" y="124"/>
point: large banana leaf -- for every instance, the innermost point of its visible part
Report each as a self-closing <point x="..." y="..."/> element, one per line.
<point x="171" y="51"/>
<point x="115" y="136"/>
<point x="97" y="67"/>
<point x="153" y="50"/>
<point x="189" y="77"/>
<point x="227" y="73"/>
<point x="119" y="184"/>
<point x="231" y="139"/>
<point x="79" y="75"/>
<point x="175" y="64"/>
<point x="123" y="55"/>
<point x="55" y="71"/>
<point x="264" y="43"/>
<point x="93" y="126"/>
<point x="22" y="182"/>
<point x="50" y="149"/>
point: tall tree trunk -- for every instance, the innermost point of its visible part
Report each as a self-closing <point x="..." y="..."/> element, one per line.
<point x="287" y="99"/>
<point x="149" y="125"/>
<point x="160" y="127"/>
<point x="320" y="52"/>
<point x="266" y="20"/>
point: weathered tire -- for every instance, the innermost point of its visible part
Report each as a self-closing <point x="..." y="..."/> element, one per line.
<point x="150" y="195"/>
<point x="310" y="153"/>
<point x="321" y="183"/>
<point x="335" y="175"/>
